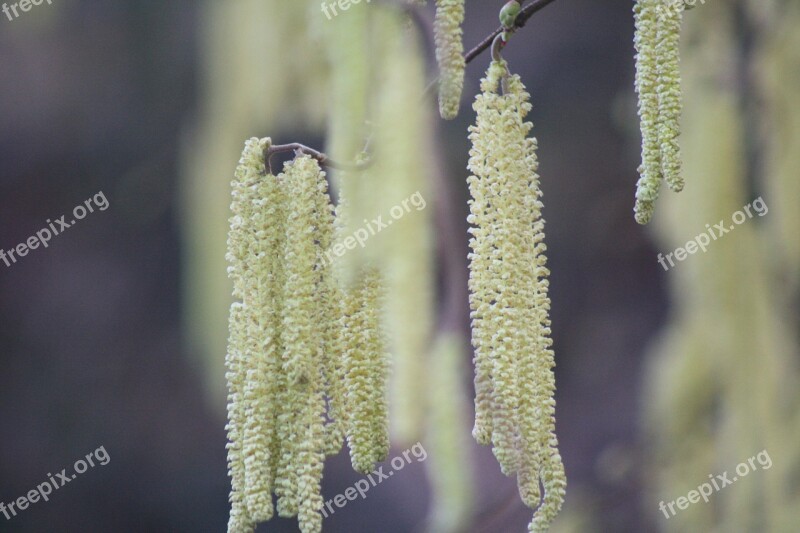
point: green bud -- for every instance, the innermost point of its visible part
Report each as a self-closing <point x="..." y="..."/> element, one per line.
<point x="509" y="13"/>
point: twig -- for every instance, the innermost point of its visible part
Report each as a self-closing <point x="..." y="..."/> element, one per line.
<point x="526" y="13"/>
<point x="319" y="156"/>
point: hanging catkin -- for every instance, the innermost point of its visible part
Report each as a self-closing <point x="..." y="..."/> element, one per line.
<point x="658" y="85"/>
<point x="366" y="370"/>
<point x="246" y="449"/>
<point x="670" y="102"/>
<point x="404" y="251"/>
<point x="650" y="172"/>
<point x="284" y="348"/>
<point x="514" y="361"/>
<point x="449" y="55"/>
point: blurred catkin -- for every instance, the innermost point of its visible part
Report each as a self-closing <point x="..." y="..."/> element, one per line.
<point x="235" y="75"/>
<point x="404" y="251"/>
<point x="723" y="379"/>
<point x="451" y="480"/>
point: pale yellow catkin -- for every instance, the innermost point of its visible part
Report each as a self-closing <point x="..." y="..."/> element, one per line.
<point x="263" y="225"/>
<point x="248" y="450"/>
<point x="449" y="55"/>
<point x="278" y="333"/>
<point x="302" y="357"/>
<point x="366" y="365"/>
<point x="515" y="386"/>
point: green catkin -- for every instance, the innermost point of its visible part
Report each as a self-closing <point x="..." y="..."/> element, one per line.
<point x="331" y="320"/>
<point x="248" y="447"/>
<point x="260" y="227"/>
<point x="366" y="370"/>
<point x="301" y="326"/>
<point x="240" y="520"/>
<point x="515" y="385"/>
<point x="645" y="42"/>
<point x="669" y="93"/>
<point x="658" y="84"/>
<point x="449" y="55"/>
<point x="272" y="203"/>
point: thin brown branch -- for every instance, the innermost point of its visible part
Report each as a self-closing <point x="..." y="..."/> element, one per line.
<point x="526" y="13"/>
<point x="523" y="17"/>
<point x="319" y="156"/>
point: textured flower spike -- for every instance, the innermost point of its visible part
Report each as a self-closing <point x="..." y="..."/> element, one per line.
<point x="285" y="350"/>
<point x="449" y="55"/>
<point x="514" y="361"/>
<point x="248" y="442"/>
<point x="367" y="367"/>
<point x="670" y="102"/>
<point x="658" y="85"/>
<point x="331" y="320"/>
<point x="302" y="358"/>
<point x="645" y="42"/>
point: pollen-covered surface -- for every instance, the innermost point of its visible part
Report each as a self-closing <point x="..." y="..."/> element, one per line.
<point x="449" y="55"/>
<point x="669" y="94"/>
<point x="286" y="404"/>
<point x="515" y="386"/>
<point x="366" y="370"/>
<point x="658" y="86"/>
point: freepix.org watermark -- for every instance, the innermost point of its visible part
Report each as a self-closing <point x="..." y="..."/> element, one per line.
<point x="702" y="241"/>
<point x="99" y="457"/>
<point x="23" y="5"/>
<point x="329" y="7"/>
<point x="717" y="483"/>
<point x="372" y="228"/>
<point x="362" y="486"/>
<point x="43" y="236"/>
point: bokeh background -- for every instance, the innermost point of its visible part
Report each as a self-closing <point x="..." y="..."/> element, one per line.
<point x="114" y="335"/>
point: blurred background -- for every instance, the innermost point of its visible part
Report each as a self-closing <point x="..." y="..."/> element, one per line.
<point x="115" y="334"/>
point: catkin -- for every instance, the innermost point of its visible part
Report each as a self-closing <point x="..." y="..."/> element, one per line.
<point x="645" y="40"/>
<point x="248" y="450"/>
<point x="658" y="85"/>
<point x="514" y="362"/>
<point x="366" y="369"/>
<point x="669" y="93"/>
<point x="404" y="252"/>
<point x="449" y="55"/>
<point x="284" y="352"/>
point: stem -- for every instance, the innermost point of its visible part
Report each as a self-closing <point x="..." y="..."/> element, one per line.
<point x="526" y="13"/>
<point x="319" y="156"/>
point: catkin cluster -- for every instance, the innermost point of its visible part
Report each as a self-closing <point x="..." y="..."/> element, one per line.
<point x="449" y="50"/>
<point x="305" y="361"/>
<point x="514" y="405"/>
<point x="658" y="85"/>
